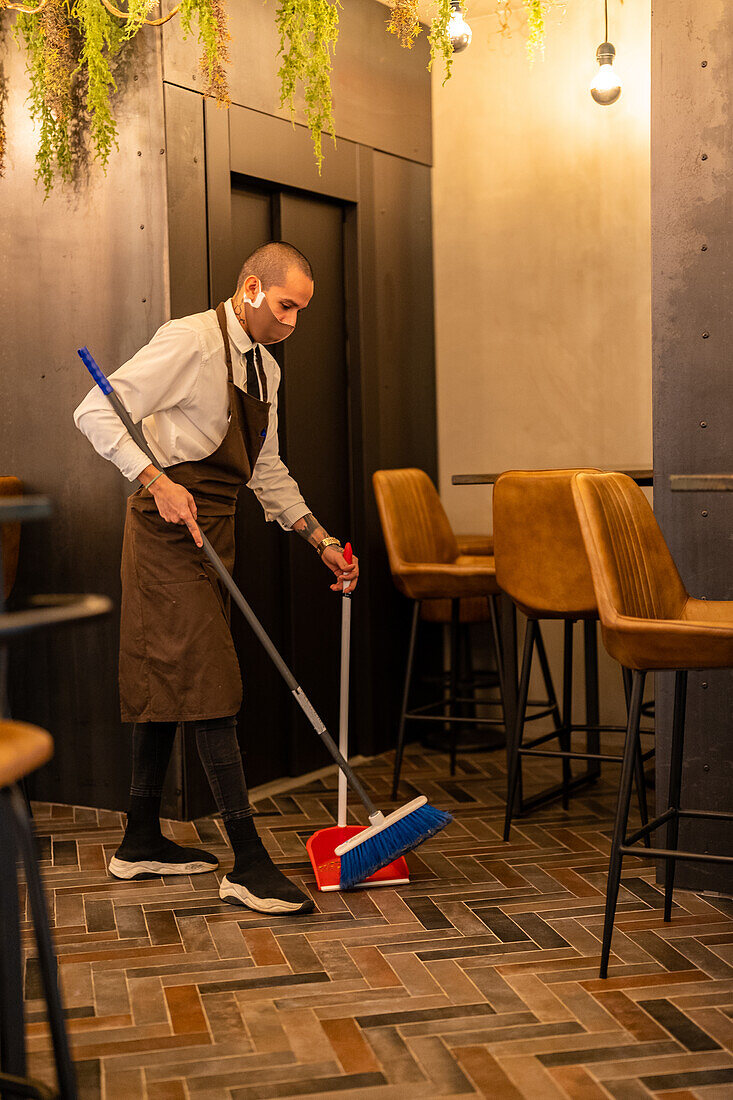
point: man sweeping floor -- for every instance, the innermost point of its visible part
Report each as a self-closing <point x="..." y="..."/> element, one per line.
<point x="205" y="390"/>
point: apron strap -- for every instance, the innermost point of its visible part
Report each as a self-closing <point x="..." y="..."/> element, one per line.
<point x="261" y="372"/>
<point x="222" y="319"/>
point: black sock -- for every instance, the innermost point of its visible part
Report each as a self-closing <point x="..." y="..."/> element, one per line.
<point x="246" y="844"/>
<point x="152" y="743"/>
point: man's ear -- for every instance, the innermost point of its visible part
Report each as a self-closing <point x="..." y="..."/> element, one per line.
<point x="259" y="297"/>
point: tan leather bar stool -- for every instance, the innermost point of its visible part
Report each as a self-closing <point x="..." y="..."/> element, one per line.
<point x="648" y="622"/>
<point x="541" y="563"/>
<point x="426" y="565"/>
<point x="23" y="749"/>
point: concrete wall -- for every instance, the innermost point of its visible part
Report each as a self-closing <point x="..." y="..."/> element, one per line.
<point x="692" y="237"/>
<point x="87" y="266"/>
<point x="541" y="216"/>
<point x="542" y="262"/>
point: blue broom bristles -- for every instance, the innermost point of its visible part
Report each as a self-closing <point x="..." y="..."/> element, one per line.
<point x="384" y="847"/>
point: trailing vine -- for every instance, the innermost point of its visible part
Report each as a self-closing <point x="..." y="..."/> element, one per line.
<point x="3" y="99"/>
<point x="51" y="66"/>
<point x="439" y="38"/>
<point x="536" y="11"/>
<point x="102" y="37"/>
<point x="214" y="37"/>
<point x="72" y="47"/>
<point x="404" y="21"/>
<point x="308" y="33"/>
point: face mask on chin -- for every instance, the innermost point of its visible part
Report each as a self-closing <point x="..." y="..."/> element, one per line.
<point x="263" y="325"/>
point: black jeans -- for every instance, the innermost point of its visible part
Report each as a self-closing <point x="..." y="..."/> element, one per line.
<point x="216" y="741"/>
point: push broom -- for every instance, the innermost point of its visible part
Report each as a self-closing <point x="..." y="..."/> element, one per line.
<point x="325" y="846"/>
<point x="386" y="838"/>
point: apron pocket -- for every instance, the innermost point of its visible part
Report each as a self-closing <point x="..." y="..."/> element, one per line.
<point x="190" y="664"/>
<point x="165" y="553"/>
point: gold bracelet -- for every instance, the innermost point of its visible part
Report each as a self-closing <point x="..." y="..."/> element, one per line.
<point x="329" y="541"/>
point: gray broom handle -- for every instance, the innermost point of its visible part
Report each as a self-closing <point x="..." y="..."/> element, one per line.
<point x="302" y="699"/>
<point x="344" y="701"/>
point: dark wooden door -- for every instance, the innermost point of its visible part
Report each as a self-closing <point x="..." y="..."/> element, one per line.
<point x="316" y="447"/>
<point x="279" y="573"/>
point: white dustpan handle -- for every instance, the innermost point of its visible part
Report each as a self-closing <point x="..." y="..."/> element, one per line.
<point x="344" y="694"/>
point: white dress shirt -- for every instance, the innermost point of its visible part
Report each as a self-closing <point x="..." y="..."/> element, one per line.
<point x="177" y="386"/>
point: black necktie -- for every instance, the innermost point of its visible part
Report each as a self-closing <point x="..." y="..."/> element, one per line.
<point x="253" y="385"/>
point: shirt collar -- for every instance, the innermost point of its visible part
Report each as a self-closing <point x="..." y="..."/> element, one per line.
<point x="238" y="336"/>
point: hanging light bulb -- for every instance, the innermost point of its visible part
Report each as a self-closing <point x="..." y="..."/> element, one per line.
<point x="606" y="87"/>
<point x="458" y="29"/>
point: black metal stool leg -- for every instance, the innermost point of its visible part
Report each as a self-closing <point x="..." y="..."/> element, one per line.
<point x="547" y="678"/>
<point x="564" y="736"/>
<point x="455" y="661"/>
<point x="622" y="815"/>
<point x="592" y="707"/>
<point x="46" y="954"/>
<point x="675" y="784"/>
<point x="12" y="1033"/>
<point x="514" y="737"/>
<point x="405" y="698"/>
<point x="638" y="765"/>
<point x="498" y="655"/>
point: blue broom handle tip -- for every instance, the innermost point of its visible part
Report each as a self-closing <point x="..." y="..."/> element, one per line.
<point x="97" y="374"/>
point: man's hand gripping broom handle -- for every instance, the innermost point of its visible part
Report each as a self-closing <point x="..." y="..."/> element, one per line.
<point x="375" y="815"/>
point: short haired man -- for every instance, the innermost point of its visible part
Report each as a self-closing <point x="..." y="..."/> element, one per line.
<point x="205" y="390"/>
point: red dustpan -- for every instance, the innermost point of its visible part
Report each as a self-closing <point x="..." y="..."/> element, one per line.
<point x="321" y="846"/>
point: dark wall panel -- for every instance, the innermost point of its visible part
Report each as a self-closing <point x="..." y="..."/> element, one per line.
<point x="272" y="149"/>
<point x="692" y="241"/>
<point x="261" y="560"/>
<point x="184" y="125"/>
<point x="381" y="91"/>
<point x="86" y="267"/>
<point x="397" y="392"/>
<point x="316" y="447"/>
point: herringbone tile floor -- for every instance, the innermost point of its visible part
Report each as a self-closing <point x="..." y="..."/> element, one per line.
<point x="479" y="978"/>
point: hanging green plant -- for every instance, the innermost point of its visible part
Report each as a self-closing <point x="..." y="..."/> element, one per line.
<point x="536" y="11"/>
<point x="439" y="38"/>
<point x="404" y="21"/>
<point x="214" y="37"/>
<point x="3" y="96"/>
<point x="51" y="67"/>
<point x="72" y="47"/>
<point x="308" y="33"/>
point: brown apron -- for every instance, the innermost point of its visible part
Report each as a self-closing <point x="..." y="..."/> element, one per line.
<point x="177" y="658"/>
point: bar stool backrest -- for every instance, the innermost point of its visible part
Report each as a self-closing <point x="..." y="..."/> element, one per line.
<point x="415" y="526"/>
<point x="633" y="572"/>
<point x="541" y="560"/>
<point x="10" y="535"/>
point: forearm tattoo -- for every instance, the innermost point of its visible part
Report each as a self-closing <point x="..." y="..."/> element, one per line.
<point x="310" y="529"/>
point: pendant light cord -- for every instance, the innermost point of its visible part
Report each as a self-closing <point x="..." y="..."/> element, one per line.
<point x="605" y="4"/>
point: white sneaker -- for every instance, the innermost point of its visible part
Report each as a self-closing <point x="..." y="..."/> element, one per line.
<point x="236" y="894"/>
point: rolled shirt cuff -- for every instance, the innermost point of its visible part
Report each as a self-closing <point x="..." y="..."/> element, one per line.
<point x="291" y="515"/>
<point x="129" y="459"/>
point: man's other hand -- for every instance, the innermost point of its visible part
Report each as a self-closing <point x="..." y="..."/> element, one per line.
<point x="338" y="564"/>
